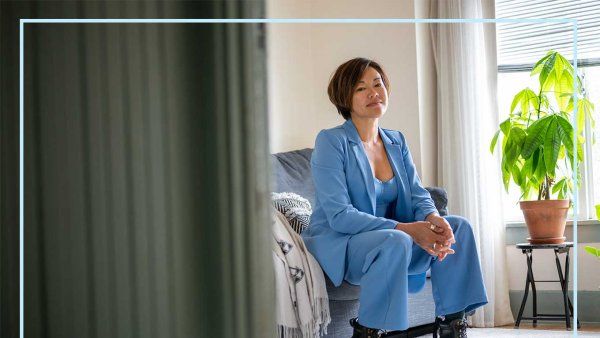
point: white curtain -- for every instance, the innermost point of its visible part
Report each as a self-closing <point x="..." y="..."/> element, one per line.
<point x="465" y="56"/>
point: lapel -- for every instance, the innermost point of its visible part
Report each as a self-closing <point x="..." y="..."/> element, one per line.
<point x="394" y="152"/>
<point x="362" y="159"/>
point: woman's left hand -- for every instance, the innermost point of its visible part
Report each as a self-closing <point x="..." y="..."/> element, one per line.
<point x="441" y="226"/>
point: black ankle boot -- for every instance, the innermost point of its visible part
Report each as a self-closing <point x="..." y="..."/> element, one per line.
<point x="395" y="334"/>
<point x="363" y="331"/>
<point x="451" y="328"/>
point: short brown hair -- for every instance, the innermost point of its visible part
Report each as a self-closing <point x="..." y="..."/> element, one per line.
<point x="342" y="83"/>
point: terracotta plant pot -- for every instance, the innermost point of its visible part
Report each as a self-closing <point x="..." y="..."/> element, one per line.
<point x="546" y="220"/>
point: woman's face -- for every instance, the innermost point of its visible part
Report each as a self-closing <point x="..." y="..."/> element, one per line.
<point x="370" y="96"/>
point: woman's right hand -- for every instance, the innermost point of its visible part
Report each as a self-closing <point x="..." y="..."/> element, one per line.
<point x="426" y="238"/>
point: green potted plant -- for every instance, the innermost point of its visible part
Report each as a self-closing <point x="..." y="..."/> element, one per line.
<point x="536" y="143"/>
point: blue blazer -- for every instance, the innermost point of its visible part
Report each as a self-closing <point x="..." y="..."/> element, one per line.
<point x="345" y="196"/>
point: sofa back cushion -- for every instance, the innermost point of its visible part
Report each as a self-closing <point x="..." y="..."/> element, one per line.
<point x="291" y="173"/>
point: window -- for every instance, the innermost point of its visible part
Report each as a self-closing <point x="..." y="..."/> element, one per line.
<point x="592" y="85"/>
<point x="520" y="44"/>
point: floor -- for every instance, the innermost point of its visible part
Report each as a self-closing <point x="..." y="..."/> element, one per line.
<point x="545" y="330"/>
<point x="585" y="327"/>
<point x="510" y="332"/>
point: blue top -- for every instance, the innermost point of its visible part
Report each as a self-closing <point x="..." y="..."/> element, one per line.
<point x="345" y="198"/>
<point x="386" y="194"/>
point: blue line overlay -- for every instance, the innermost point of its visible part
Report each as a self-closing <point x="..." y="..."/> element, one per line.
<point x="21" y="176"/>
<point x="575" y="183"/>
<point x="506" y="20"/>
<point x="22" y="23"/>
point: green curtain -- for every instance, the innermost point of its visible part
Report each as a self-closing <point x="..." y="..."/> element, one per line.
<point x="146" y="173"/>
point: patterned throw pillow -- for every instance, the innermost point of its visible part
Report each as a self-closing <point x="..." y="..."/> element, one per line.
<point x="295" y="208"/>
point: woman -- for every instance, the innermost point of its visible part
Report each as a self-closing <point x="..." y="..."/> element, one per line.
<point x="374" y="225"/>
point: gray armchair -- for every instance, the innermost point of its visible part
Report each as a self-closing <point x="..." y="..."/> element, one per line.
<point x="291" y="171"/>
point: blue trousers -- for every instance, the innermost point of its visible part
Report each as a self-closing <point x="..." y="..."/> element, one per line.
<point x="381" y="261"/>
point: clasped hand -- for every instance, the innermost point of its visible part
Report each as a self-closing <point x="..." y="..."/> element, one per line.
<point x="434" y="235"/>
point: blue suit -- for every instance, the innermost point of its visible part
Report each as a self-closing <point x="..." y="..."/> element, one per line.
<point x="351" y="243"/>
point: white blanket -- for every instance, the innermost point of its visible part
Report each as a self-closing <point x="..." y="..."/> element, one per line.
<point x="302" y="302"/>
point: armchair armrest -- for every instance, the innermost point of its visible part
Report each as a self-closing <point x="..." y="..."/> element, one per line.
<point x="440" y="199"/>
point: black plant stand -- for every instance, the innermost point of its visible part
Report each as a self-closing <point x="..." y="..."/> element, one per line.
<point x="527" y="249"/>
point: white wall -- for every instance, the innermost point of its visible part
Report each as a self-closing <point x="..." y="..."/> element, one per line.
<point x="302" y="57"/>
<point x="427" y="96"/>
<point x="544" y="268"/>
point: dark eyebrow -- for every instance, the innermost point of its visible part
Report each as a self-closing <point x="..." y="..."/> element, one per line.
<point x="375" y="79"/>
